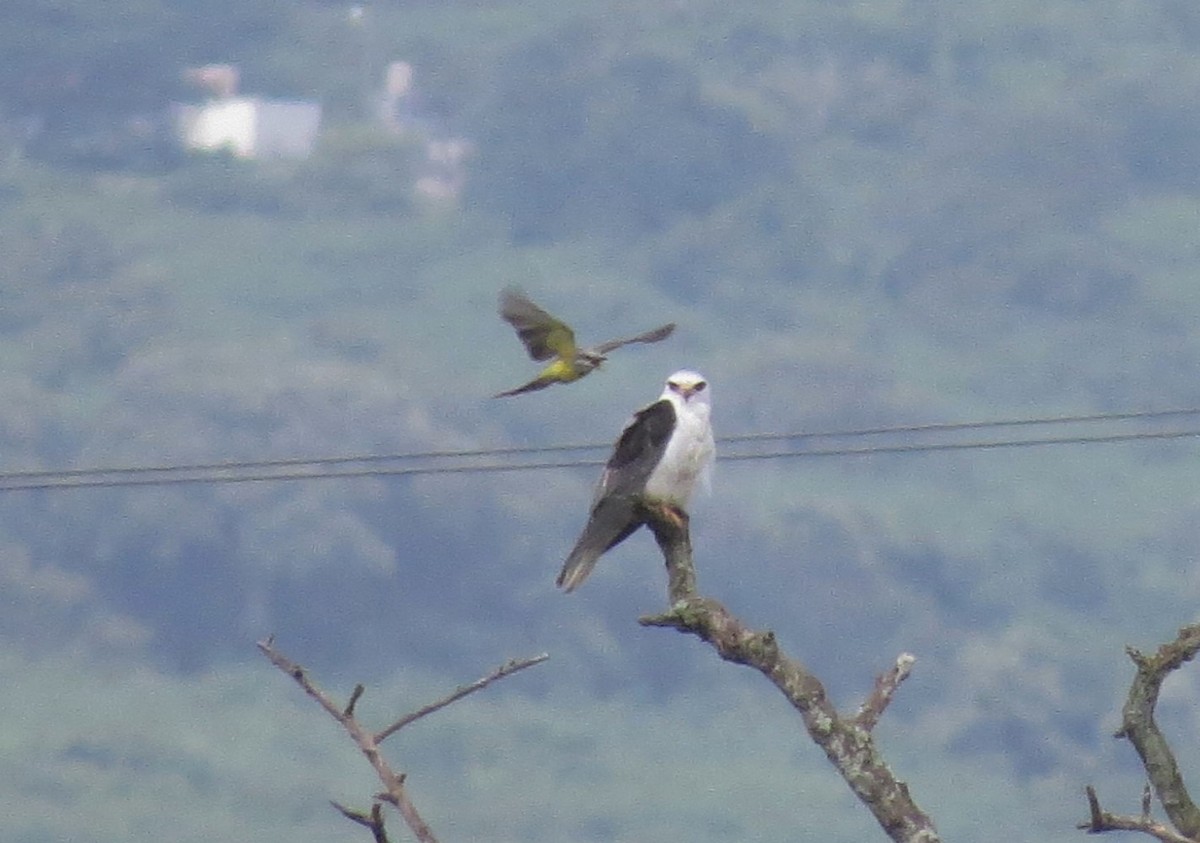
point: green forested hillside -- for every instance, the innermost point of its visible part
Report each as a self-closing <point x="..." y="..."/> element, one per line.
<point x="860" y="215"/>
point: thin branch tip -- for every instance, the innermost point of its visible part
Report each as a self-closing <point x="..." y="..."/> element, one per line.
<point x="886" y="685"/>
<point x="1094" y="826"/>
<point x="507" y="669"/>
<point x="355" y="695"/>
<point x="350" y="813"/>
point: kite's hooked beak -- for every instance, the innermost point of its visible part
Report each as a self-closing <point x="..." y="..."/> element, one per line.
<point x="687" y="390"/>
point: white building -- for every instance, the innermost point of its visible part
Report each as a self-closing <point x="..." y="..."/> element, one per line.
<point x="251" y="127"/>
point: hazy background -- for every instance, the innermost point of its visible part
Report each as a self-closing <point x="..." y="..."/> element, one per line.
<point x="860" y="214"/>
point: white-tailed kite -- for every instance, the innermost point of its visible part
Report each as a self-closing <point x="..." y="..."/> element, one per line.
<point x="664" y="450"/>
<point x="544" y="337"/>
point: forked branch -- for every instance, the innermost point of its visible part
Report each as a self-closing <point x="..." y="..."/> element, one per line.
<point x="368" y="742"/>
<point x="1139" y="727"/>
<point x="846" y="741"/>
<point x="1101" y="820"/>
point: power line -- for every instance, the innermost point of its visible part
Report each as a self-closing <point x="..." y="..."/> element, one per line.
<point x="970" y="425"/>
<point x="524" y="450"/>
<point x="972" y="446"/>
<point x="102" y="479"/>
<point x="186" y="479"/>
<point x="298" y="461"/>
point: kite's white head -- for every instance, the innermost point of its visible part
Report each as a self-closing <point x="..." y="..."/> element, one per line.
<point x="688" y="387"/>
<point x="691" y="448"/>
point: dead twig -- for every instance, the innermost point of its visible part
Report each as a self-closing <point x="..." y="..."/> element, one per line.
<point x="507" y="669"/>
<point x="348" y="711"/>
<point x="373" y="820"/>
<point x="394" y="791"/>
<point x="885" y="688"/>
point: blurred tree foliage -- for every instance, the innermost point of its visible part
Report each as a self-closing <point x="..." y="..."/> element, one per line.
<point x="923" y="153"/>
<point x="578" y="137"/>
<point x="356" y="170"/>
<point x="999" y="197"/>
<point x="74" y="64"/>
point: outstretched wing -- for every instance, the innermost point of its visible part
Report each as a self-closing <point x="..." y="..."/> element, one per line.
<point x="543" y="335"/>
<point x="657" y="335"/>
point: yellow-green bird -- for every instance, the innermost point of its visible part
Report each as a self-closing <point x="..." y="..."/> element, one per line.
<point x="545" y="336"/>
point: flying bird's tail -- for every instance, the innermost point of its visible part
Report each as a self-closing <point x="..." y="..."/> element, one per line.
<point x="560" y="371"/>
<point x="537" y="383"/>
<point x="613" y="520"/>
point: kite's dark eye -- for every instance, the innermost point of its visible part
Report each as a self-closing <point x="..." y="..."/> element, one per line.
<point x="699" y="387"/>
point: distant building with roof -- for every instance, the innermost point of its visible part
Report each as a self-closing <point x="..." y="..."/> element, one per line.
<point x="251" y="127"/>
<point x="262" y="129"/>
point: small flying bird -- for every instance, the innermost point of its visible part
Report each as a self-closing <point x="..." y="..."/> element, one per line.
<point x="661" y="454"/>
<point x="545" y="336"/>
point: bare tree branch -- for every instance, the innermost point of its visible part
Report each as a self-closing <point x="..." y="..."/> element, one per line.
<point x="373" y="820"/>
<point x="507" y="669"/>
<point x="885" y="688"/>
<point x="1101" y="821"/>
<point x="847" y="742"/>
<point x="1137" y="724"/>
<point x="355" y="695"/>
<point x="393" y="783"/>
<point x="394" y="791"/>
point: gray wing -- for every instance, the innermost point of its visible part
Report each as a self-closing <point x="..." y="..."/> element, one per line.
<point x="615" y="511"/>
<point x="657" y="335"/>
<point x="543" y="335"/>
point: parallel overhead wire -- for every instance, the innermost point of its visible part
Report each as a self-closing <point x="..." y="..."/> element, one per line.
<point x="245" y="471"/>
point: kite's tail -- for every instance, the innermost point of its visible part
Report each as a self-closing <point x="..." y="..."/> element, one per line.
<point x="613" y="520"/>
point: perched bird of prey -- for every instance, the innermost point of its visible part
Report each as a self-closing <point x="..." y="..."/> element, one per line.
<point x="545" y="336"/>
<point x="664" y="450"/>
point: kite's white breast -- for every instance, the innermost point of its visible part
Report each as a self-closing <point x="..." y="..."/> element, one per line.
<point x="688" y="453"/>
